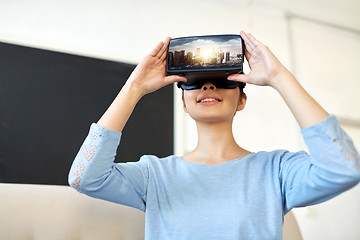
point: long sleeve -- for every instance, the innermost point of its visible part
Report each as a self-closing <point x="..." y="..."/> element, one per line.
<point x="94" y="172"/>
<point x="331" y="168"/>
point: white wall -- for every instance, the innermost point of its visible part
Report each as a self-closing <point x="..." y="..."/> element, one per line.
<point x="323" y="57"/>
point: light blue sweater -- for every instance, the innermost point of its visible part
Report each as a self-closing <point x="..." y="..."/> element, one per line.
<point x="245" y="198"/>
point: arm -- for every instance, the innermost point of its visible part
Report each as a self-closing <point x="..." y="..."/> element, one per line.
<point x="332" y="168"/>
<point x="266" y="70"/>
<point x="93" y="171"/>
<point x="147" y="77"/>
<point x="304" y="108"/>
<point x="333" y="165"/>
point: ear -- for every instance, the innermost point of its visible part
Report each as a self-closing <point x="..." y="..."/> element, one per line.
<point x="184" y="104"/>
<point x="242" y="102"/>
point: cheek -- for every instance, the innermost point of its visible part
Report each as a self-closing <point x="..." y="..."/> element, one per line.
<point x="231" y="95"/>
<point x="233" y="101"/>
<point x="189" y="98"/>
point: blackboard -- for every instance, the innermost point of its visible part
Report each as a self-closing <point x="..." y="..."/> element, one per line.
<point x="48" y="101"/>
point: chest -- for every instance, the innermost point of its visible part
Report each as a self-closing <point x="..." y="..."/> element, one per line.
<point x="237" y="189"/>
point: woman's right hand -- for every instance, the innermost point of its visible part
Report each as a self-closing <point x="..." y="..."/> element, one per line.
<point x="149" y="74"/>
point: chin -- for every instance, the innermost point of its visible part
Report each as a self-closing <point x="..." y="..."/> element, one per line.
<point x="213" y="118"/>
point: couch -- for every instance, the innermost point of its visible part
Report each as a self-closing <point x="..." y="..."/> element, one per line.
<point x="50" y="212"/>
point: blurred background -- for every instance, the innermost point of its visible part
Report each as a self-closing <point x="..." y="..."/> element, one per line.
<point x="317" y="40"/>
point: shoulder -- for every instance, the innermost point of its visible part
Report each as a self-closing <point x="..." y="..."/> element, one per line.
<point x="280" y="155"/>
<point x="155" y="160"/>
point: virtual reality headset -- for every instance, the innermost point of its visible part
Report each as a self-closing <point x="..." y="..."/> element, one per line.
<point x="209" y="58"/>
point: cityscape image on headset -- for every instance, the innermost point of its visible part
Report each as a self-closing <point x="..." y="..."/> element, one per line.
<point x="210" y="52"/>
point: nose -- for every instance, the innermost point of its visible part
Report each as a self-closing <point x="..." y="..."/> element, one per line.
<point x="207" y="86"/>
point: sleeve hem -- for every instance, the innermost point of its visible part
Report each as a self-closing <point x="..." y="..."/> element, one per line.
<point x="322" y="126"/>
<point x="102" y="131"/>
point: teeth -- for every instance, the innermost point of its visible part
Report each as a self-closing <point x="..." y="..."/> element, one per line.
<point x="208" y="100"/>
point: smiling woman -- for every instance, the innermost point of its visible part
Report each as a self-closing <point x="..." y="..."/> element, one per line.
<point x="219" y="190"/>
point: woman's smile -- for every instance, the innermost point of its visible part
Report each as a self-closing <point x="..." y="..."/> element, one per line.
<point x="208" y="100"/>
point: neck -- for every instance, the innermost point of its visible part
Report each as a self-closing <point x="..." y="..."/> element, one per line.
<point x="216" y="144"/>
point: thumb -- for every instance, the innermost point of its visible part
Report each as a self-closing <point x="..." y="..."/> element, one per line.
<point x="238" y="77"/>
<point x="174" y="78"/>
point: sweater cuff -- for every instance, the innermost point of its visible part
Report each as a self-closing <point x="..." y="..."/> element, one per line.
<point x="327" y="135"/>
<point x="329" y="126"/>
<point x="98" y="132"/>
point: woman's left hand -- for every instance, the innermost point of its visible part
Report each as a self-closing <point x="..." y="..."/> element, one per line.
<point x="265" y="68"/>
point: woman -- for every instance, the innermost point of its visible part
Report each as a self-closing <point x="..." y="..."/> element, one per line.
<point x="219" y="190"/>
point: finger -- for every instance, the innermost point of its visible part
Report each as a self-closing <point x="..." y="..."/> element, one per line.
<point x="247" y="54"/>
<point x="156" y="50"/>
<point x="253" y="40"/>
<point x="162" y="53"/>
<point x="248" y="45"/>
<point x="174" y="78"/>
<point x="238" y="78"/>
<point x="247" y="42"/>
<point x="163" y="57"/>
